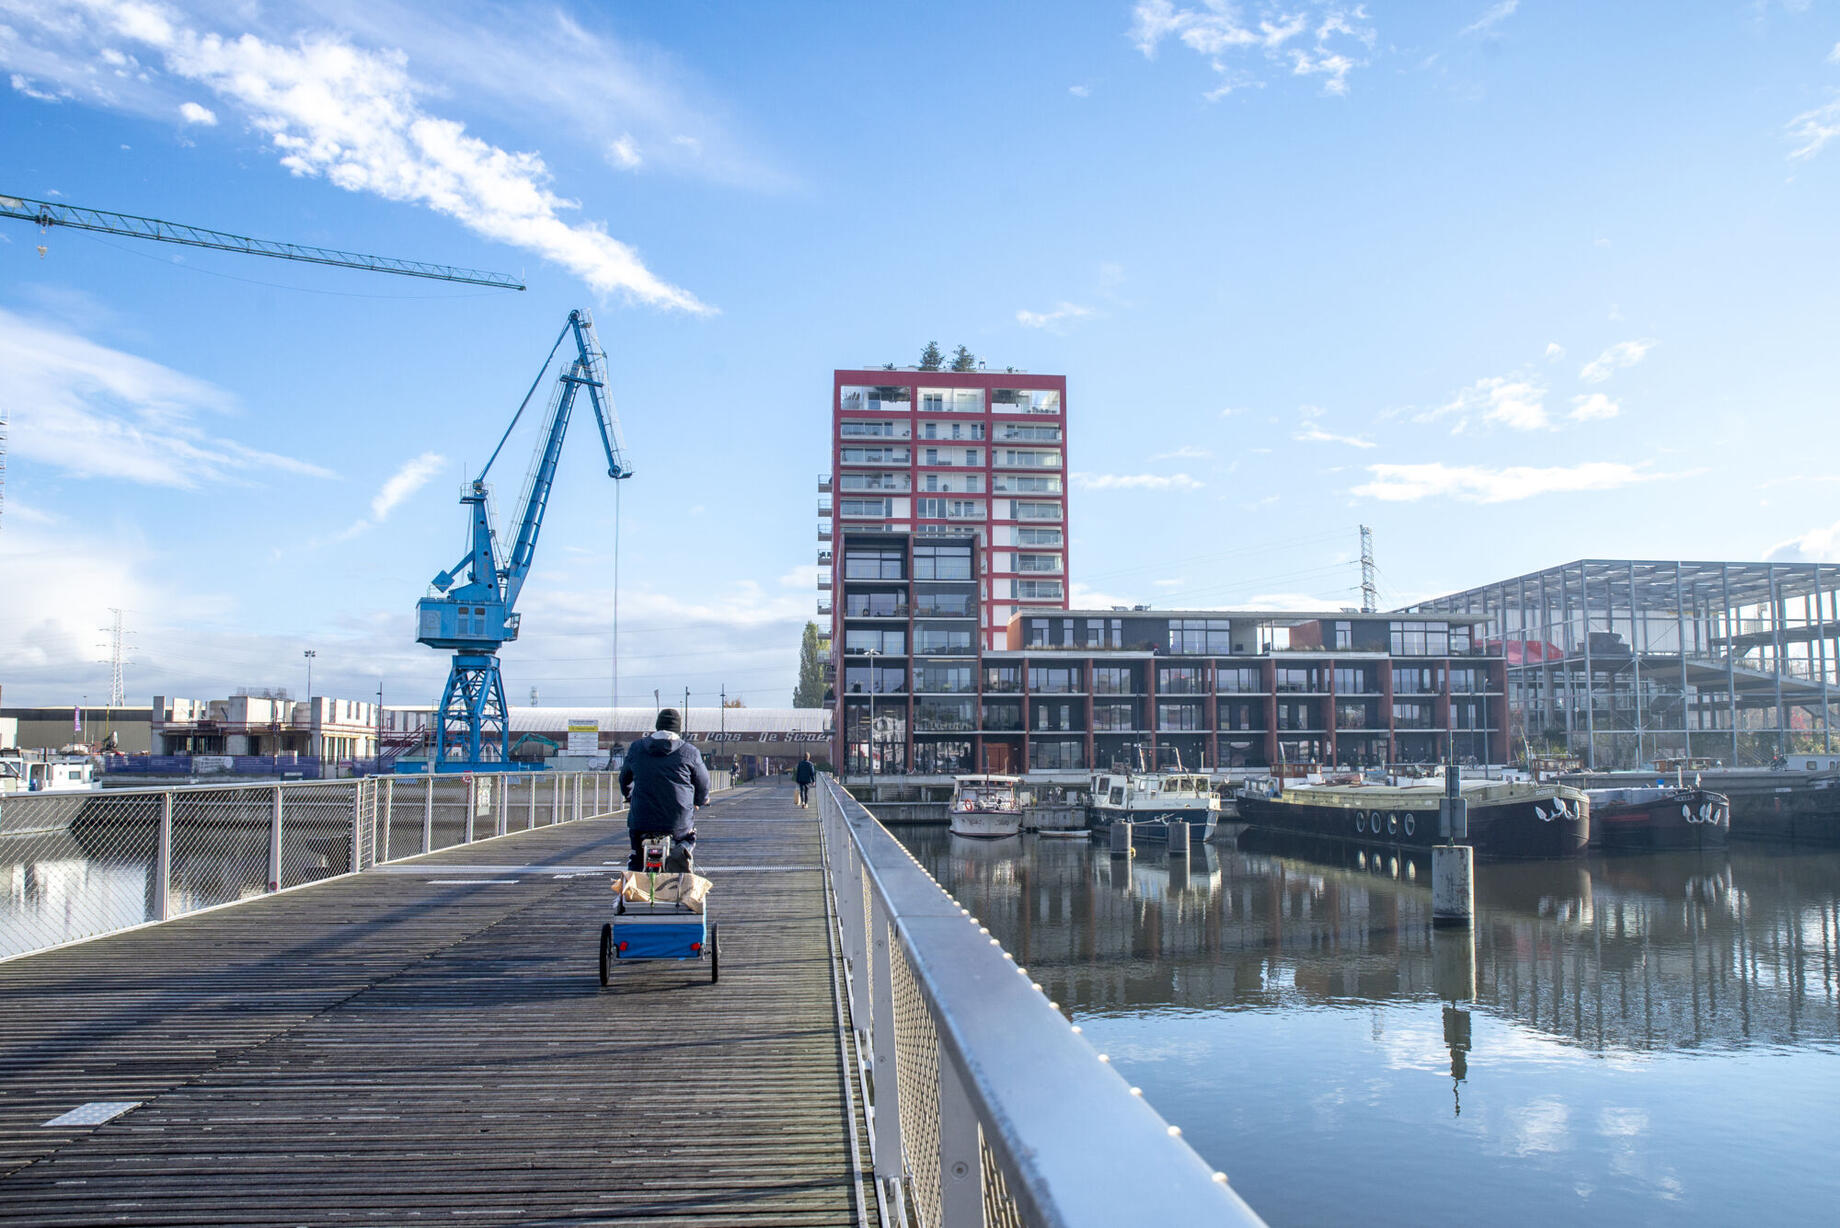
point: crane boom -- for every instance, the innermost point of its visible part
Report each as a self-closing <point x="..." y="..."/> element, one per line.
<point x="476" y="617"/>
<point x="47" y="214"/>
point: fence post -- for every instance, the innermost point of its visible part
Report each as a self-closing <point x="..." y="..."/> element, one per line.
<point x="532" y="821"/>
<point x="555" y="799"/>
<point x="274" y="843"/>
<point x="578" y="796"/>
<point x="472" y="804"/>
<point x="428" y="814"/>
<point x="889" y="1163"/>
<point x="389" y="812"/>
<point x="162" y="861"/>
<point x="357" y="818"/>
<point x="961" y="1160"/>
<point x="500" y="811"/>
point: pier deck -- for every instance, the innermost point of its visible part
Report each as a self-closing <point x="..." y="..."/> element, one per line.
<point x="429" y="1042"/>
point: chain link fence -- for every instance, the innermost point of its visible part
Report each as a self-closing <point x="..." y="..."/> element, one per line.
<point x="986" y="1107"/>
<point x="78" y="864"/>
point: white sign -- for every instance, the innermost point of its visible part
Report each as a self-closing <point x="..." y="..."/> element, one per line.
<point x="584" y="738"/>
<point x="212" y="763"/>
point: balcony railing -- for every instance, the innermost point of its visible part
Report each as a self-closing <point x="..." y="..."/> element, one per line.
<point x="824" y="605"/>
<point x="824" y="483"/>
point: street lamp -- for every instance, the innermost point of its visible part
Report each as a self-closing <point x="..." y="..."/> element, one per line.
<point x="872" y="653"/>
<point x="309" y="654"/>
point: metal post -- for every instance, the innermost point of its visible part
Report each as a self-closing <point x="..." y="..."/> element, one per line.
<point x="357" y="820"/>
<point x="501" y="815"/>
<point x="389" y="813"/>
<point x="1590" y="674"/>
<point x="1731" y="669"/>
<point x="162" y="861"/>
<point x="888" y="1159"/>
<point x="1776" y="651"/>
<point x="1637" y="630"/>
<point x="274" y="843"/>
<point x="531" y="820"/>
<point x="1680" y="642"/>
<point x="555" y="802"/>
<point x="1820" y="639"/>
<point x="961" y="1169"/>
<point x="428" y="814"/>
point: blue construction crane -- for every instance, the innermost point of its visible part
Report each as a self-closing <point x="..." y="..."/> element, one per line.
<point x="473" y="618"/>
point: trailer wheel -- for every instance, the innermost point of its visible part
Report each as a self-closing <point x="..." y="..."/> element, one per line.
<point x="715" y="954"/>
<point x="606" y="951"/>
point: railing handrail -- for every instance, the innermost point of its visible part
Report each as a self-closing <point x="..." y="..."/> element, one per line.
<point x="1074" y="1145"/>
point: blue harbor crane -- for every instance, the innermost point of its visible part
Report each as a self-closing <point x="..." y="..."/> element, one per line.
<point x="473" y="618"/>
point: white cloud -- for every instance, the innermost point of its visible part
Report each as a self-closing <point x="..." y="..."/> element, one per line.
<point x="1135" y="481"/>
<point x="1080" y="91"/>
<point x="1515" y="401"/>
<point x="413" y="475"/>
<point x="1812" y="129"/>
<point x="625" y="152"/>
<point x="1622" y="354"/>
<point x="1814" y="546"/>
<point x="192" y="113"/>
<point x="1310" y="432"/>
<point x="1185" y="452"/>
<point x="329" y="108"/>
<point x="1595" y="405"/>
<point x="1554" y="351"/>
<point x="1833" y="57"/>
<point x="1495" y="15"/>
<point x="23" y="84"/>
<point x="1313" y="40"/>
<point x="1047" y="319"/>
<point x="95" y="412"/>
<point x="1476" y="484"/>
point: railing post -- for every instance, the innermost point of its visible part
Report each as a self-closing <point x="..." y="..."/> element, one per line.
<point x="530" y="820"/>
<point x="472" y="804"/>
<point x="888" y="1159"/>
<point x="961" y="1159"/>
<point x="428" y="814"/>
<point x="274" y="843"/>
<point x="162" y="861"/>
<point x="578" y="796"/>
<point x="555" y="799"/>
<point x="389" y="812"/>
<point x="503" y="808"/>
<point x="357" y="817"/>
<point x="847" y="870"/>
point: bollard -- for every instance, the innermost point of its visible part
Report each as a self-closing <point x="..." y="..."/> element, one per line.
<point x="1453" y="884"/>
<point x="1178" y="838"/>
<point x="1121" y="840"/>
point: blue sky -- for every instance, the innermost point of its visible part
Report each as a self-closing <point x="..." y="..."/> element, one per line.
<point x="1511" y="283"/>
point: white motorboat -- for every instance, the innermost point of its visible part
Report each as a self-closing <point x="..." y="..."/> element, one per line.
<point x="987" y="806"/>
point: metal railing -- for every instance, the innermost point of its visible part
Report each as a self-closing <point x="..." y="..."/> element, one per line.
<point x="80" y="864"/>
<point x="985" y="1106"/>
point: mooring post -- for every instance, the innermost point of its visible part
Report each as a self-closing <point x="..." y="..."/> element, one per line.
<point x="1453" y="865"/>
<point x="1121" y="840"/>
<point x="1178" y="838"/>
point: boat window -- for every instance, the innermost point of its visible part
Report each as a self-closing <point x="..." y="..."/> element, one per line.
<point x="1117" y="797"/>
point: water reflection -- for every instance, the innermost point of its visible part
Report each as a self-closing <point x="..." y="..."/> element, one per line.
<point x="1660" y="951"/>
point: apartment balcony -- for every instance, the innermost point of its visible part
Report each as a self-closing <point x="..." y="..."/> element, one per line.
<point x="825" y="558"/>
<point x="824" y="605"/>
<point x="824" y="532"/>
<point x="824" y="581"/>
<point x="824" y="483"/>
<point x="824" y="506"/>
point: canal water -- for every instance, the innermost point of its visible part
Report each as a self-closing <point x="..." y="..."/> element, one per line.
<point x="1646" y="1039"/>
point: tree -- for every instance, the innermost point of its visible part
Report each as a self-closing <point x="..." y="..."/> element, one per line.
<point x="930" y="358"/>
<point x="963" y="360"/>
<point x="810" y="690"/>
<point x="736" y="702"/>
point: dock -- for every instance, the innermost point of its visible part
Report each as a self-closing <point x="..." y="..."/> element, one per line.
<point x="430" y="1041"/>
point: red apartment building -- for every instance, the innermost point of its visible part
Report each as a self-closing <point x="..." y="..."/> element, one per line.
<point x="926" y="452"/>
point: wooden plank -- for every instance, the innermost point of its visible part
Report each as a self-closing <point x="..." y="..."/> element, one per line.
<point x="387" y="1048"/>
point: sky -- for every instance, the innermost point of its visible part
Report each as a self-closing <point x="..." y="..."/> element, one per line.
<point x="1511" y="283"/>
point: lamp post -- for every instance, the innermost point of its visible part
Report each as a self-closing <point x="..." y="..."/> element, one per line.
<point x="309" y="654"/>
<point x="872" y="653"/>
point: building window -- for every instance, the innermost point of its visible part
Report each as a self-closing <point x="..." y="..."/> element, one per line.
<point x="875" y="509"/>
<point x="1104" y="633"/>
<point x="1424" y="639"/>
<point x="1061" y="755"/>
<point x="1024" y="401"/>
<point x="1180" y="718"/>
<point x="1238" y="681"/>
<point x="1114" y="680"/>
<point x="952" y="400"/>
<point x="859" y="639"/>
<point x="1038" y="590"/>
<point x="1241" y="714"/>
<point x="1038" y="562"/>
<point x="874" y="605"/>
<point x="1354" y="680"/>
<point x="953" y="678"/>
<point x="871" y="430"/>
<point x="1465" y="681"/>
<point x="1052" y="679"/>
<point x="935" y="603"/>
<point x="1002" y="716"/>
<point x="879" y="679"/>
<point x="1412" y="714"/>
<point x="1055" y="716"/>
<point x="945" y="715"/>
<point x="942" y="561"/>
<point x="1414" y="680"/>
<point x="874" y="456"/>
<point x="1195" y="636"/>
<point x="878" y="398"/>
<point x="1353" y="714"/>
<point x="1022" y="509"/>
<point x="1181" y="680"/>
<point x="1297" y="714"/>
<point x="930" y="641"/>
<point x="1344" y="636"/>
<point x="1002" y="678"/>
<point x="1115" y="717"/>
<point x="874" y="564"/>
<point x="1288" y="679"/>
<point x="1038" y="537"/>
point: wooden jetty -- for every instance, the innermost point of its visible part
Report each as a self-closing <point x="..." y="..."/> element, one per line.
<point x="429" y="1041"/>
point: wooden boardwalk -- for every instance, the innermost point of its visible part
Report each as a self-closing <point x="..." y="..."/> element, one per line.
<point x="401" y="1047"/>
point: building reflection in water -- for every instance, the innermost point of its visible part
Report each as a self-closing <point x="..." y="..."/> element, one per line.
<point x="1658" y="951"/>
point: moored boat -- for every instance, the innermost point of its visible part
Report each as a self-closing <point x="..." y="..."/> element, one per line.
<point x="986" y="806"/>
<point x="1659" y="817"/>
<point x="1150" y="801"/>
<point x="1506" y="818"/>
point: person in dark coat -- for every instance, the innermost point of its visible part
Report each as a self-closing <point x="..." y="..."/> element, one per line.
<point x="805" y="774"/>
<point x="663" y="782"/>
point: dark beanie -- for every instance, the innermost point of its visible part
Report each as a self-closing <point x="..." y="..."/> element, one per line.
<point x="669" y="718"/>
